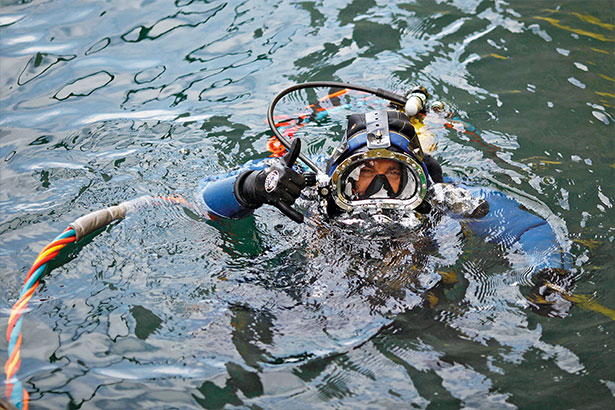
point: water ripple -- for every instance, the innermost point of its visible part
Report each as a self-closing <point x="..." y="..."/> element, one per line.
<point x="169" y="308"/>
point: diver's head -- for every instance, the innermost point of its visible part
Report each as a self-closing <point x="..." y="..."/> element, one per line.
<point x="379" y="164"/>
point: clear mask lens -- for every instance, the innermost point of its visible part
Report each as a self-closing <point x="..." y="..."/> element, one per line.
<point x="379" y="179"/>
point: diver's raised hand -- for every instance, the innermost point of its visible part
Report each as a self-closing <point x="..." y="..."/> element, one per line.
<point x="278" y="185"/>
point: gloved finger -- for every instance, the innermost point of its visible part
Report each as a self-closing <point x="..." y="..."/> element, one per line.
<point x="296" y="178"/>
<point x="309" y="178"/>
<point x="291" y="156"/>
<point x="293" y="189"/>
<point x="289" y="212"/>
<point x="286" y="197"/>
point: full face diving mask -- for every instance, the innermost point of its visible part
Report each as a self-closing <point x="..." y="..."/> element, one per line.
<point x="378" y="167"/>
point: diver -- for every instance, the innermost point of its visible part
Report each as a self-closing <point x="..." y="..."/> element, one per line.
<point x="380" y="169"/>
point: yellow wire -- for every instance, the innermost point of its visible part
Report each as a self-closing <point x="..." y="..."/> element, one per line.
<point x="47" y="252"/>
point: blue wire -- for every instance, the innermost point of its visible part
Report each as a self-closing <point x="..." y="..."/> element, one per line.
<point x="17" y="395"/>
<point x="35" y="276"/>
<point x="70" y="232"/>
<point x="15" y="334"/>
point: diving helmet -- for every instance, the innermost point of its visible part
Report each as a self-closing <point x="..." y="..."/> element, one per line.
<point x="380" y="164"/>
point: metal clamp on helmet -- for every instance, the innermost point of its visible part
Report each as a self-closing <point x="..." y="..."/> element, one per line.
<point x="379" y="164"/>
<point x="377" y="127"/>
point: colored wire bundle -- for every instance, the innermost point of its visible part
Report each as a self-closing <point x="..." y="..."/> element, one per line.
<point x="77" y="230"/>
<point x="14" y="389"/>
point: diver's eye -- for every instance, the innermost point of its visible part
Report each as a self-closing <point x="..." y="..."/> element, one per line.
<point x="393" y="173"/>
<point x="367" y="172"/>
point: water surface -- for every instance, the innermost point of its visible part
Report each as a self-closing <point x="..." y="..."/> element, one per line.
<point x="103" y="102"/>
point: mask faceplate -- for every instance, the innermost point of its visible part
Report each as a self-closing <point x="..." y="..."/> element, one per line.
<point x="379" y="178"/>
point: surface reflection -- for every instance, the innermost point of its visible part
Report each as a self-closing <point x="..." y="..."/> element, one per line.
<point x="115" y="100"/>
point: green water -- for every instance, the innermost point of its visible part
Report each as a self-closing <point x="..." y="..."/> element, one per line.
<point x="105" y="101"/>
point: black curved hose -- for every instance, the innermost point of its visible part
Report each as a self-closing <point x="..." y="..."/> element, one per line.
<point x="387" y="95"/>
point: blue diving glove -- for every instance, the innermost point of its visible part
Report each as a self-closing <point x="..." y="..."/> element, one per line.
<point x="278" y="185"/>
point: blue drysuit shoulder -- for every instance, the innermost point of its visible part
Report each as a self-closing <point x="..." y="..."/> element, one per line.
<point x="509" y="223"/>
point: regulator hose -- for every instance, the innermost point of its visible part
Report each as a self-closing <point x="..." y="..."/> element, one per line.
<point x="378" y="92"/>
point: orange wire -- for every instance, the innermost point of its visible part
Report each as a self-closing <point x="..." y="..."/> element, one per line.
<point x="49" y="251"/>
<point x="333" y="95"/>
<point x="10" y="368"/>
<point x="59" y="241"/>
<point x="18" y="309"/>
<point x="39" y="264"/>
<point x="8" y="390"/>
<point x="14" y="361"/>
<point x="26" y="399"/>
<point x="57" y="245"/>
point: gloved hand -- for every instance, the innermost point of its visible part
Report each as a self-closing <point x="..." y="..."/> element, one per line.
<point x="549" y="296"/>
<point x="278" y="185"/>
<point x="459" y="200"/>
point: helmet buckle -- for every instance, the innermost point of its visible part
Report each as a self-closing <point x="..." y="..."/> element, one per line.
<point x="377" y="127"/>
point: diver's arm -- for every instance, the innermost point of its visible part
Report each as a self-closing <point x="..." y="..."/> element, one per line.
<point x="508" y="223"/>
<point x="220" y="198"/>
<point x="459" y="201"/>
<point x="278" y="185"/>
<point x="512" y="226"/>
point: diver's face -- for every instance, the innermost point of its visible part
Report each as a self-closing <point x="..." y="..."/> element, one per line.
<point x="389" y="168"/>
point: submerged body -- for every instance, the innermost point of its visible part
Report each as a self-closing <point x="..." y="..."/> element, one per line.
<point x="409" y="192"/>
